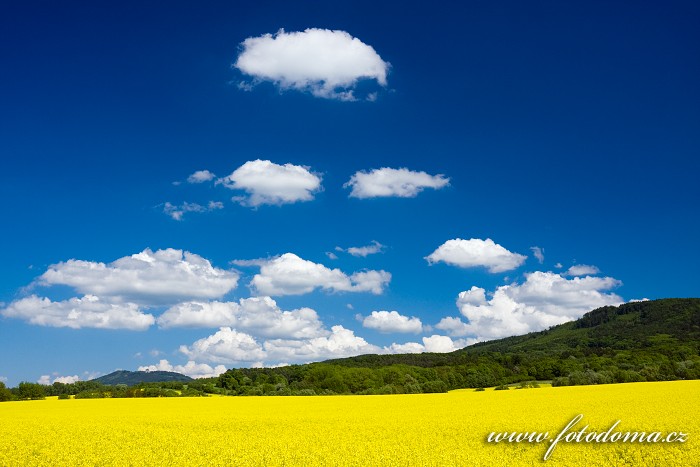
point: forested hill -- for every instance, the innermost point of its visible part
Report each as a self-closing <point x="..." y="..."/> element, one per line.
<point x="669" y="326"/>
<point x="642" y="341"/>
<point x="132" y="378"/>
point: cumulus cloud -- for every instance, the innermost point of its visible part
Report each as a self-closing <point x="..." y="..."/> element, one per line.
<point x="150" y="278"/>
<point x="453" y="326"/>
<point x="435" y="344"/>
<point x="392" y="321"/>
<point x="363" y="251"/>
<point x="268" y="183"/>
<point x="326" y="63"/>
<point x="289" y="274"/>
<point x="232" y="347"/>
<point x="225" y="346"/>
<point x="439" y="344"/>
<point x="46" y="379"/>
<point x="191" y="369"/>
<point x="538" y="253"/>
<point x="582" y="270"/>
<point x="66" y="379"/>
<point x="77" y="313"/>
<point x="200" y="176"/>
<point x="259" y="316"/>
<point x="178" y="211"/>
<point x="408" y="347"/>
<point x="545" y="299"/>
<point x="475" y="253"/>
<point x="340" y="343"/>
<point x="385" y="182"/>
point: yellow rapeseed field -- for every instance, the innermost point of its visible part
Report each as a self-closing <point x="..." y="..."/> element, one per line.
<point x="397" y="430"/>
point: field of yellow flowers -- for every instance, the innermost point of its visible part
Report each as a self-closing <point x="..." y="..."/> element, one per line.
<point x="402" y="430"/>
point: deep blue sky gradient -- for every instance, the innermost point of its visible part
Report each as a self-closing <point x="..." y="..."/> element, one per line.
<point x="570" y="126"/>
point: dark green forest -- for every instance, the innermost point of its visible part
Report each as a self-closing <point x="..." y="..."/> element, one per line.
<point x="641" y="341"/>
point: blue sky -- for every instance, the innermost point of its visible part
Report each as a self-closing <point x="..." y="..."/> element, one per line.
<point x="571" y="128"/>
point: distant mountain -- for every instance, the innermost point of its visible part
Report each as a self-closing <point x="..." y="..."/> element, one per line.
<point x="131" y="378"/>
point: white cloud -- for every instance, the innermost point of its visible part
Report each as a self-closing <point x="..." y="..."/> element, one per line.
<point x="331" y="255"/>
<point x="558" y="265"/>
<point x="363" y="251"/>
<point x="178" y="211"/>
<point x="225" y="346"/>
<point x="476" y="252"/>
<point x="434" y="343"/>
<point x="538" y="253"/>
<point x="402" y="183"/>
<point x="369" y="281"/>
<point x="232" y="347"/>
<point x="453" y="326"/>
<point x="392" y="321"/>
<point x="150" y="278"/>
<point x="439" y="344"/>
<point x="245" y="263"/>
<point x="543" y="300"/>
<point x="191" y="369"/>
<point x="268" y="183"/>
<point x="46" y="379"/>
<point x="66" y="379"/>
<point x="289" y="274"/>
<point x="200" y="176"/>
<point x="408" y="347"/>
<point x="582" y="270"/>
<point x="259" y="316"/>
<point x="326" y="63"/>
<point x="77" y="313"/>
<point x="340" y="343"/>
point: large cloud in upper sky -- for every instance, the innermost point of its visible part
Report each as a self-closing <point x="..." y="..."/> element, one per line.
<point x="543" y="300"/>
<point x="289" y="274"/>
<point x="476" y="252"/>
<point x="148" y="278"/>
<point x="259" y="316"/>
<point x="326" y="63"/>
<point x="386" y="182"/>
<point x="76" y="313"/>
<point x="268" y="183"/>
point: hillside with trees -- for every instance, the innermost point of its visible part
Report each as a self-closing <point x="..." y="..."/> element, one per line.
<point x="641" y="341"/>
